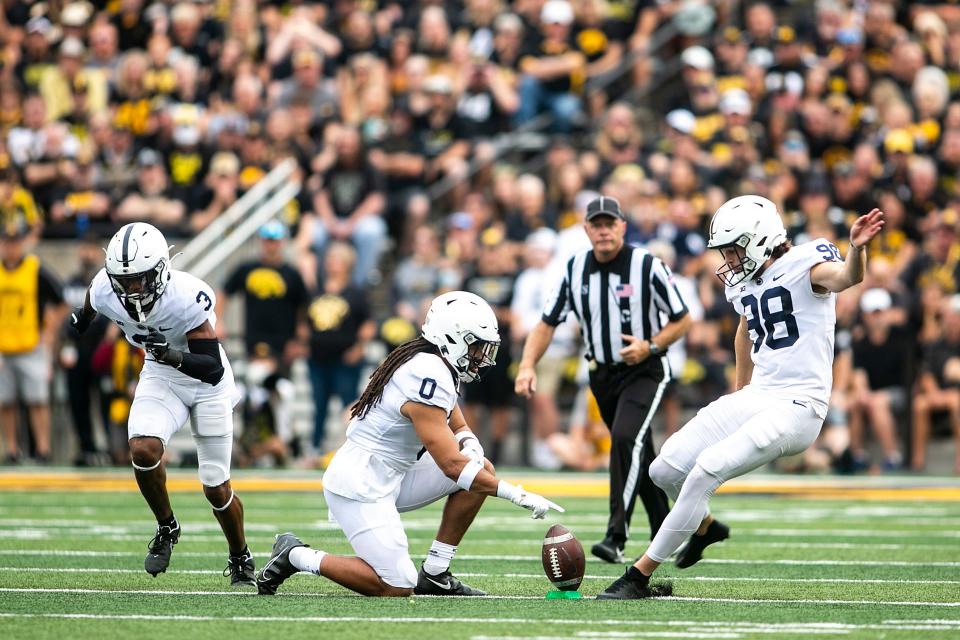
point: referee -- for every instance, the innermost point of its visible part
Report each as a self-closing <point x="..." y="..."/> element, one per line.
<point x="630" y="312"/>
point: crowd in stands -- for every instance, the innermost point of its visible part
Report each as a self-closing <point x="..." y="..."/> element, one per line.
<point x="410" y="122"/>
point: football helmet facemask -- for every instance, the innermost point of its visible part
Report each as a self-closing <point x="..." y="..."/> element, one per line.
<point x="464" y="328"/>
<point x="138" y="265"/>
<point x="752" y="225"/>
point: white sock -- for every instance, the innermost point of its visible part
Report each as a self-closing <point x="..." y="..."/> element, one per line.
<point x="307" y="559"/>
<point x="439" y="557"/>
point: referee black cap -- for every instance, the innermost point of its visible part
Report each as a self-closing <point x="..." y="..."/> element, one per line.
<point x="604" y="206"/>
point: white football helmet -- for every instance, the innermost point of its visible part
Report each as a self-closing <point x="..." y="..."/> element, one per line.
<point x="138" y="264"/>
<point x="462" y="325"/>
<point x="751" y="223"/>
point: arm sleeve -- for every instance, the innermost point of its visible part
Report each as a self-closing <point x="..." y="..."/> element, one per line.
<point x="203" y="362"/>
<point x="665" y="292"/>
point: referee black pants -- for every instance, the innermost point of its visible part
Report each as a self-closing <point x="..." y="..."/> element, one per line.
<point x="628" y="398"/>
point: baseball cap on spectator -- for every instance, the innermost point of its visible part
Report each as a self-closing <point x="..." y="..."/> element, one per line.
<point x="694" y="18"/>
<point x="682" y="120"/>
<point x="731" y="35"/>
<point x="155" y="11"/>
<point x="305" y="58"/>
<point x="875" y="300"/>
<point x="75" y="14"/>
<point x="785" y="34"/>
<point x="736" y="101"/>
<point x="849" y="36"/>
<point x="72" y="48"/>
<point x="14" y="229"/>
<point x="543" y="238"/>
<point x="461" y="220"/>
<point x="39" y="25"/>
<point x="273" y="230"/>
<point x="224" y="163"/>
<point x="604" y="206"/>
<point x="556" y="12"/>
<point x="760" y="57"/>
<point x="898" y="140"/>
<point x="697" y="57"/>
<point x="438" y="83"/>
<point x="508" y="22"/>
<point x="149" y="158"/>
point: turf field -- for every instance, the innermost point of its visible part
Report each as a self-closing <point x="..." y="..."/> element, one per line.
<point x="866" y="559"/>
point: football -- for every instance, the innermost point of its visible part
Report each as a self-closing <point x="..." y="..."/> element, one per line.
<point x="563" y="559"/>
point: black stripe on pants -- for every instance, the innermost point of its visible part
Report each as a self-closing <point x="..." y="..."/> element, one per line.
<point x="628" y="397"/>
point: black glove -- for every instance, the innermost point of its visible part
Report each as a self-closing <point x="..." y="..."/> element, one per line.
<point x="79" y="320"/>
<point x="156" y="345"/>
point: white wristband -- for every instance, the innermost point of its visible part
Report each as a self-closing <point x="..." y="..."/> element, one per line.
<point x="464" y="434"/>
<point x="467" y="475"/>
<point x="506" y="490"/>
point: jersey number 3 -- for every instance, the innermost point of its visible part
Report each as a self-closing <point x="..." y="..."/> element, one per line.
<point x="764" y="322"/>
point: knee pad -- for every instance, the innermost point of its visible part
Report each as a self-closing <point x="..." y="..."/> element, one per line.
<point x="664" y="475"/>
<point x="213" y="455"/>
<point x="710" y="461"/>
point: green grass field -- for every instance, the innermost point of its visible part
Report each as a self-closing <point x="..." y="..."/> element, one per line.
<point x="71" y="567"/>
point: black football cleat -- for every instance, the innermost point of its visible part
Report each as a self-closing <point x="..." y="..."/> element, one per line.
<point x="444" y="584"/>
<point x="279" y="567"/>
<point x="693" y="552"/>
<point x="160" y="548"/>
<point x="609" y="551"/>
<point x="629" y="588"/>
<point x="241" y="570"/>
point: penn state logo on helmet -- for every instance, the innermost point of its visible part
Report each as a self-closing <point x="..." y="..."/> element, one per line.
<point x="753" y="225"/>
<point x="138" y="265"/>
<point x="464" y="328"/>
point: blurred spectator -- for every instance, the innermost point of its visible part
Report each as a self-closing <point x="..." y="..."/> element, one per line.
<point x="938" y="387"/>
<point x="529" y="299"/>
<point x="152" y="199"/>
<point x="16" y="203"/>
<point x="118" y="363"/>
<point x="222" y="189"/>
<point x="421" y="277"/>
<point x="77" y="354"/>
<point x="553" y="70"/>
<point x="340" y="327"/>
<point x="880" y="362"/>
<point x="274" y="295"/>
<point x="349" y="207"/>
<point x="492" y="278"/>
<point x="30" y="318"/>
<point x="266" y="411"/>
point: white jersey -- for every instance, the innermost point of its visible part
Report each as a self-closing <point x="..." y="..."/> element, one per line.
<point x="791" y="327"/>
<point x="187" y="302"/>
<point x="383" y="445"/>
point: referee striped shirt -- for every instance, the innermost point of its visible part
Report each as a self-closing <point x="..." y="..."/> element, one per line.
<point x="633" y="294"/>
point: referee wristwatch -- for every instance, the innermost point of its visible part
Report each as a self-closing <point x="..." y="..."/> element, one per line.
<point x="655" y="350"/>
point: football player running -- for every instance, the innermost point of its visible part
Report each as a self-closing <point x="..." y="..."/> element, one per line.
<point x="186" y="374"/>
<point x="785" y="297"/>
<point x="407" y="446"/>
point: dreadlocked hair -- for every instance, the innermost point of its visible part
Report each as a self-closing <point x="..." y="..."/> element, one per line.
<point x="379" y="378"/>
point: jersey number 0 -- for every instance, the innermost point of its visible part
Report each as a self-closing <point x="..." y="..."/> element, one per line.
<point x="764" y="322"/>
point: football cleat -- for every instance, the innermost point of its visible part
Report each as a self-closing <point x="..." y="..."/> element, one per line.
<point x="241" y="571"/>
<point x="608" y="551"/>
<point x="444" y="584"/>
<point x="279" y="567"/>
<point x="627" y="588"/>
<point x="693" y="552"/>
<point x="160" y="548"/>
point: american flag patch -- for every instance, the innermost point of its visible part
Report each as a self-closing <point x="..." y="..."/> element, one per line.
<point x="624" y="290"/>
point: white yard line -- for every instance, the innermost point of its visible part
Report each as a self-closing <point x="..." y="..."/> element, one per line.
<point x="531" y="576"/>
<point x="885" y="603"/>
<point x="506" y="558"/>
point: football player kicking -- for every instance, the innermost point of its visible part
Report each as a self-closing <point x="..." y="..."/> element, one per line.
<point x="409" y="405"/>
<point x="170" y="315"/>
<point x="784" y="355"/>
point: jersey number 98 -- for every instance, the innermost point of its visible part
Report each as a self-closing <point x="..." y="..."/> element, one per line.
<point x="764" y="322"/>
